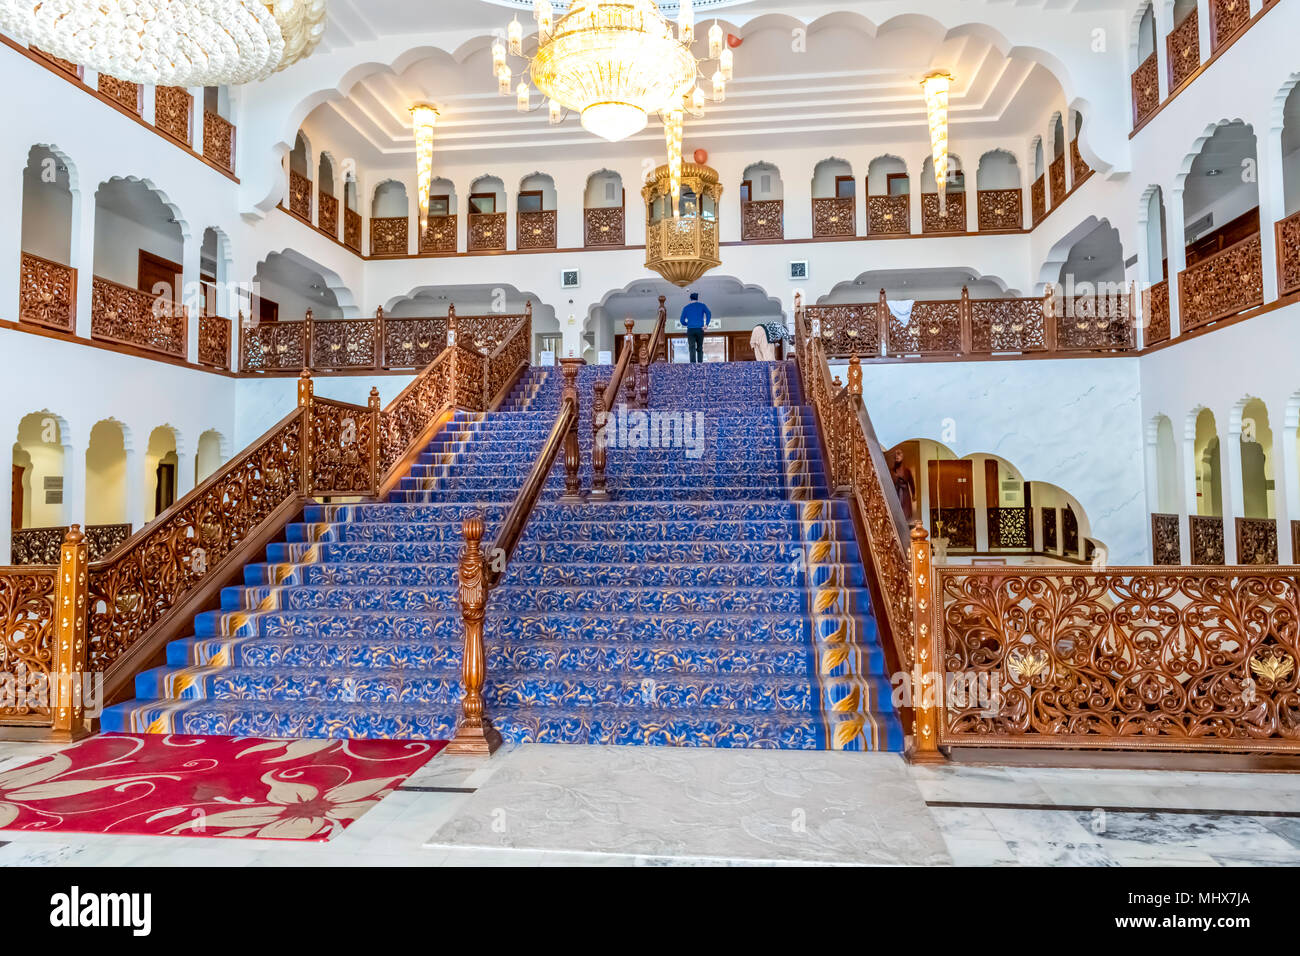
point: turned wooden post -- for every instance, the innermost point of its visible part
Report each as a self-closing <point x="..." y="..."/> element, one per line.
<point x="373" y="451"/>
<point x="642" y="376"/>
<point x="305" y="393"/>
<point x="855" y="375"/>
<point x="662" y="322"/>
<point x="627" y="388"/>
<point x="69" y="676"/>
<point x="381" y="330"/>
<point x="309" y="331"/>
<point x="572" y="454"/>
<point x="964" y="319"/>
<point x="474" y="731"/>
<point x="882" y="322"/>
<point x="451" y="324"/>
<point x="598" y="418"/>
<point x="927" y="674"/>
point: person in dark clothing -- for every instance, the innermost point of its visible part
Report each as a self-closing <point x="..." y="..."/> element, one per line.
<point x="695" y="317"/>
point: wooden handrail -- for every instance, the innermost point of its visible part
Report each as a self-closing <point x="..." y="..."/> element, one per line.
<point x="477" y="577"/>
<point x="649" y="355"/>
<point x="603" y="397"/>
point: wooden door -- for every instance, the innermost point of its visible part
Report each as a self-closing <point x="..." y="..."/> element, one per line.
<point x="165" y="492"/>
<point x="16" y="499"/>
<point x="951" y="485"/>
<point x="992" y="490"/>
<point x="155" y="270"/>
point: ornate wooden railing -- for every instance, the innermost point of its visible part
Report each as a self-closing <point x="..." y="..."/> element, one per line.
<point x="1056" y="180"/>
<point x="479" y="574"/>
<point x="41" y="545"/>
<point x="327" y="214"/>
<point x="27" y="640"/>
<point x="955" y="526"/>
<point x="1038" y="199"/>
<point x="128" y="316"/>
<point x="603" y="226"/>
<point x="952" y="221"/>
<point x="1228" y="282"/>
<point x="1158" y="327"/>
<point x="1257" y="541"/>
<point x="174" y="112"/>
<point x="389" y="235"/>
<point x="654" y="349"/>
<point x="537" y="229"/>
<point x="219" y="140"/>
<point x="214" y="341"/>
<point x="1166" y="546"/>
<point x="1205" y="534"/>
<point x="128" y="95"/>
<point x="300" y="192"/>
<point x="1287" y="237"/>
<point x="440" y="236"/>
<point x="1184" y="48"/>
<point x="977" y="328"/>
<point x="856" y="463"/>
<point x="762" y="219"/>
<point x="487" y="232"/>
<point x="1122" y="658"/>
<point x="344" y="344"/>
<point x="412" y="343"/>
<point x="1010" y="529"/>
<point x="1145" y="84"/>
<point x="352" y="229"/>
<point x="619" y="388"/>
<point x="834" y="217"/>
<point x="1227" y="17"/>
<point x="999" y="210"/>
<point x="273" y="346"/>
<point x="889" y="215"/>
<point x="47" y="293"/>
<point x="1079" y="168"/>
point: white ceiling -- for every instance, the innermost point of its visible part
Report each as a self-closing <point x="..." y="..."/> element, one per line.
<point x="848" y="87"/>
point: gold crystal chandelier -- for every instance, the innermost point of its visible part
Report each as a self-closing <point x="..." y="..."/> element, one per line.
<point x="612" y="63"/>
<point x="936" y="86"/>
<point x="424" y="117"/>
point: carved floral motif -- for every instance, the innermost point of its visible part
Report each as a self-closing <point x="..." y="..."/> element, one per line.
<point x="1256" y="541"/>
<point x="1056" y="180"/>
<point x="1038" y="198"/>
<point x="1288" y="254"/>
<point x="536" y="230"/>
<point x="487" y="232"/>
<point x="1206" y="539"/>
<point x="1009" y="528"/>
<point x="954" y="219"/>
<point x="440" y="235"/>
<point x="603" y="226"/>
<point x="834" y="217"/>
<point x="1228" y="282"/>
<point x="999" y="209"/>
<point x="889" y="215"/>
<point x="1157" y="314"/>
<point x="1146" y="89"/>
<point x="846" y="329"/>
<point x="1184" y="46"/>
<point x="173" y="107"/>
<point x="219" y="140"/>
<point x="275" y="346"/>
<point x="934" y="328"/>
<point x="1007" y="325"/>
<point x="343" y="344"/>
<point x="123" y="92"/>
<point x="47" y="293"/>
<point x="26" y="634"/>
<point x="327" y="214"/>
<point x="131" y="317"/>
<point x="762" y="219"/>
<point x="389" y="235"/>
<point x="352" y="229"/>
<point x="214" y="341"/>
<point x="1166" y="546"/>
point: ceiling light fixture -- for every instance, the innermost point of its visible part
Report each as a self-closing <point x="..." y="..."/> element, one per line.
<point x="177" y="43"/>
<point x="936" y="86"/>
<point x="425" y="117"/>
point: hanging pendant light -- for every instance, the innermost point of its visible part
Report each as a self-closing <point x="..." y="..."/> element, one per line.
<point x="936" y="87"/>
<point x="424" y="118"/>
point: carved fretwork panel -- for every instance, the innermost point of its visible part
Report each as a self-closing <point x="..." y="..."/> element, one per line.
<point x="219" y="140"/>
<point x="1009" y="529"/>
<point x="889" y="215"/>
<point x="27" y="635"/>
<point x="762" y="219"/>
<point x="390" y="235"/>
<point x="343" y="440"/>
<point x="1146" y="89"/>
<point x="834" y="217"/>
<point x="440" y="235"/>
<point x="1206" y="535"/>
<point x="536" y="230"/>
<point x="214" y="341"/>
<point x="131" y="317"/>
<point x="1256" y="541"/>
<point x="343" y="343"/>
<point x="955" y="524"/>
<point x="934" y="328"/>
<point x="1091" y="323"/>
<point x="1007" y="325"/>
<point x="65" y="66"/>
<point x="487" y="232"/>
<point x="300" y="189"/>
<point x="1221" y="285"/>
<point x="173" y="110"/>
<point x="1288" y="254"/>
<point x="36" y="545"/>
<point x="1038" y="198"/>
<point x="1184" y="46"/>
<point x="1056" y="180"/>
<point x="413" y="343"/>
<point x="327" y="212"/>
<point x="126" y="94"/>
<point x="1157" y="314"/>
<point x="1079" y="169"/>
<point x="352" y="229"/>
<point x="1166" y="548"/>
<point x="1226" y="18"/>
<point x="603" y="226"/>
<point x="999" y="210"/>
<point x="954" y="219"/>
<point x="47" y="293"/>
<point x="275" y="346"/>
<point x="846" y="330"/>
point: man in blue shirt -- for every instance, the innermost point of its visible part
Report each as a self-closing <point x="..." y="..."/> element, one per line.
<point x="695" y="317"/>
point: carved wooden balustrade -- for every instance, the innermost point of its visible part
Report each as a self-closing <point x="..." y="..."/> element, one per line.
<point x="1228" y="282"/>
<point x="889" y="215"/>
<point x="300" y="191"/>
<point x="935" y="327"/>
<point x="1010" y="529"/>
<point x="1007" y="325"/>
<point x="1056" y="180"/>
<point x="999" y="210"/>
<point x="1287" y="238"/>
<point x="856" y="463"/>
<point x="1038" y="199"/>
<point x="338" y="344"/>
<point x="128" y="95"/>
<point x="440" y="236"/>
<point x="352" y="229"/>
<point x="1125" y="658"/>
<point x="1184" y="50"/>
<point x="41" y="545"/>
<point x="1166" y="545"/>
<point x="219" y="140"/>
<point x="1079" y="168"/>
<point x="1157" y="314"/>
<point x="273" y="346"/>
<point x="1205" y="533"/>
<point x="173" y="113"/>
<point x="1094" y="323"/>
<point x="1145" y="84"/>
<point x="1257" y="541"/>
<point x="117" y="614"/>
<point x="1227" y="17"/>
<point x="327" y="214"/>
<point x="850" y="329"/>
<point x="952" y="221"/>
<point x="487" y="232"/>
<point x="214" y="341"/>
<point x="604" y="226"/>
<point x="47" y="293"/>
<point x="762" y="219"/>
<point x="834" y="217"/>
<point x="389" y="235"/>
<point x="413" y="343"/>
<point x="128" y="316"/>
<point x="537" y="229"/>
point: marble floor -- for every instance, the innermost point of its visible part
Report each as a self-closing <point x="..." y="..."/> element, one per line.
<point x="541" y="806"/>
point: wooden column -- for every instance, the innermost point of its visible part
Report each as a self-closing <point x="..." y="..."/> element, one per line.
<point x="572" y="454"/>
<point x="927" y="675"/>
<point x="475" y="734"/>
<point x="68" y="675"/>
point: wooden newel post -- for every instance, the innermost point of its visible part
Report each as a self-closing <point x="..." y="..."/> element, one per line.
<point x="375" y="419"/>
<point x="305" y="393"/>
<point x="474" y="731"/>
<point x="572" y="454"/>
<point x="69" y="678"/>
<point x="855" y="375"/>
<point x="927" y="675"/>
<point x="643" y="376"/>
<point x="598" y="419"/>
<point x="627" y="388"/>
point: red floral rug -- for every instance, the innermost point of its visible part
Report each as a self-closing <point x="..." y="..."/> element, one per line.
<point x="208" y="786"/>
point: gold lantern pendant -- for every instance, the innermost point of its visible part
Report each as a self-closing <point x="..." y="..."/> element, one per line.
<point x="682" y="229"/>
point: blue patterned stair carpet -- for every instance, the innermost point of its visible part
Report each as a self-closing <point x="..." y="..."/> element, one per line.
<point x="717" y="600"/>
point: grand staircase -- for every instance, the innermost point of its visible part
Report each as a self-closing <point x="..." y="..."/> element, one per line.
<point x="717" y="600"/>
